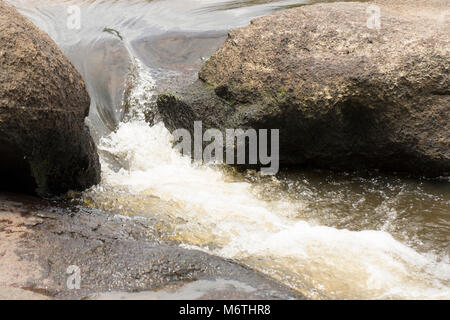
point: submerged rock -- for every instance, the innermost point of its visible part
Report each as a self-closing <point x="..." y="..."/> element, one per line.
<point x="45" y="146"/>
<point x="343" y="95"/>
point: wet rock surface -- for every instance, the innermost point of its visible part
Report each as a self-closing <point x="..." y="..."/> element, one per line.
<point x="44" y="143"/>
<point x="11" y="293"/>
<point x="38" y="243"/>
<point x="344" y="96"/>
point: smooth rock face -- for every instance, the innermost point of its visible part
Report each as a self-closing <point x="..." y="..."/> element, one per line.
<point x="343" y="96"/>
<point x="44" y="143"/>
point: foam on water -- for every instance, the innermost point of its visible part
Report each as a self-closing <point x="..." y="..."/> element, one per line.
<point x="266" y="236"/>
<point x="201" y="206"/>
<point x="226" y="218"/>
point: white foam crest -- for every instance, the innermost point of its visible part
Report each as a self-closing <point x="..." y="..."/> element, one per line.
<point x="153" y="165"/>
<point x="344" y="263"/>
<point x="142" y="88"/>
<point x="370" y="261"/>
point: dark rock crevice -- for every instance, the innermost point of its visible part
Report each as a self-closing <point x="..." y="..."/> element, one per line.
<point x="15" y="171"/>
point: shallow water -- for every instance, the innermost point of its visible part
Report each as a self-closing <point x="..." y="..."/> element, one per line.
<point x="346" y="235"/>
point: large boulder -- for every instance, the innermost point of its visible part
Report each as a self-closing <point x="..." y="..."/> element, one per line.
<point x="45" y="146"/>
<point x="343" y="95"/>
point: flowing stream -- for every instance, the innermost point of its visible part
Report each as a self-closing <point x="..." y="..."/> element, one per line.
<point x="327" y="235"/>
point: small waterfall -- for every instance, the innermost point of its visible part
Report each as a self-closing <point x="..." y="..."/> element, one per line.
<point x="324" y="235"/>
<point x="204" y="208"/>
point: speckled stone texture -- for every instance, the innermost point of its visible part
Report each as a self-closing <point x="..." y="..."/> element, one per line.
<point x="45" y="146"/>
<point x="343" y="96"/>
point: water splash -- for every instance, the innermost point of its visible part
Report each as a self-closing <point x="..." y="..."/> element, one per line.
<point x="299" y="234"/>
<point x="202" y="207"/>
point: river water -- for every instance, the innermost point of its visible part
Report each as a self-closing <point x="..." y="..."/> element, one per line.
<point x="328" y="235"/>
